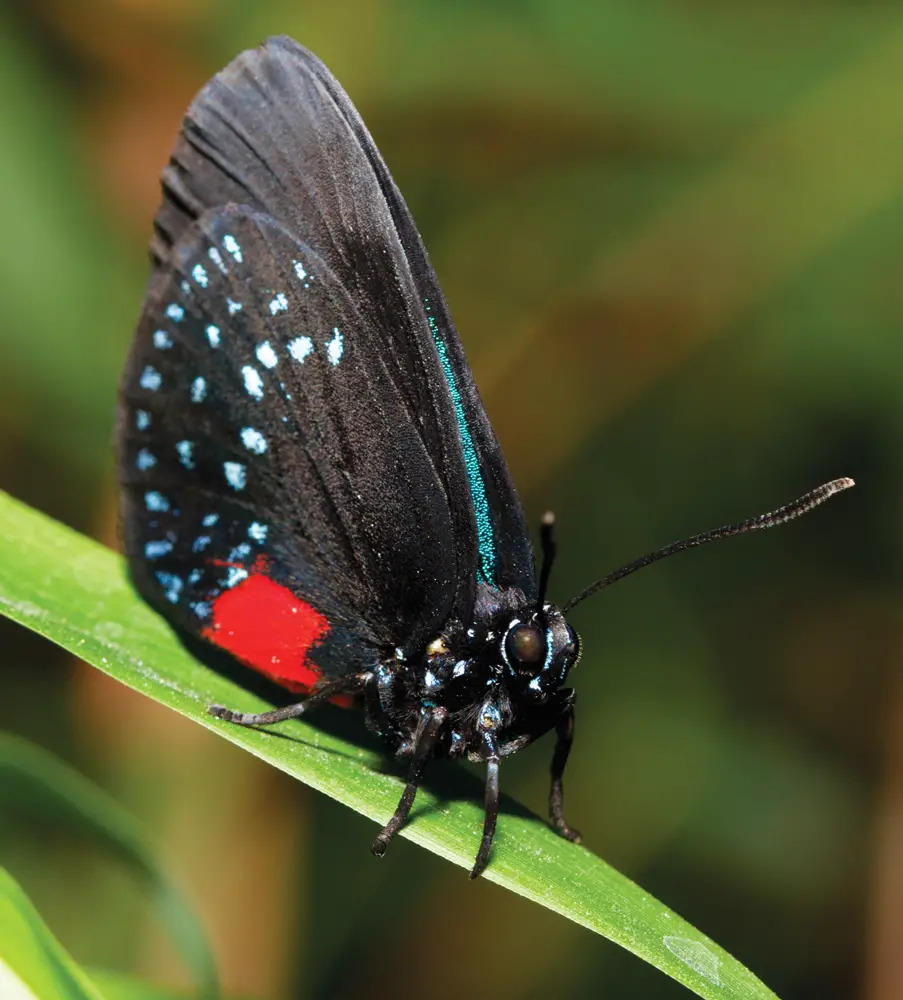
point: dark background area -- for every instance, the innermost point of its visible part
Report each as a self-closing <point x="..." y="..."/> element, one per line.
<point x="670" y="236"/>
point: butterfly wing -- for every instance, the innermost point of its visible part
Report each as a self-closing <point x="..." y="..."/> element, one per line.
<point x="337" y="393"/>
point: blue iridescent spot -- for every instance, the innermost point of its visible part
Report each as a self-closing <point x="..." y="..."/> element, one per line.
<point x="231" y="244"/>
<point x="258" y="531"/>
<point x="200" y="543"/>
<point x="150" y="379"/>
<point x="162" y="340"/>
<point x="236" y="475"/>
<point x="142" y="420"/>
<point x="233" y="306"/>
<point x="253" y="381"/>
<point x="300" y="347"/>
<point x="235" y="575"/>
<point x="153" y="550"/>
<point x="172" y="586"/>
<point x="217" y="259"/>
<point x="240" y="552"/>
<point x="194" y="576"/>
<point x="279" y="304"/>
<point x="185" y="448"/>
<point x="253" y="440"/>
<point x="335" y="347"/>
<point x="208" y="520"/>
<point x="485" y="541"/>
<point x="175" y="312"/>
<point x="213" y="335"/>
<point x="200" y="608"/>
<point x="266" y="355"/>
<point x="200" y="275"/>
<point x="198" y="389"/>
<point x="155" y="500"/>
<point x="145" y="460"/>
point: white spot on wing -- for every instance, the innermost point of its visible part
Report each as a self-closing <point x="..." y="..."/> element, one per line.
<point x="162" y="340"/>
<point x="300" y="347"/>
<point x="299" y="270"/>
<point x="153" y="550"/>
<point x="208" y="520"/>
<point x="258" y="531"/>
<point x="231" y="245"/>
<point x="335" y="347"/>
<point x="199" y="275"/>
<point x="233" y="306"/>
<point x="155" y="500"/>
<point x="266" y="355"/>
<point x="185" y="448"/>
<point x="217" y="259"/>
<point x="175" y="312"/>
<point x="253" y="440"/>
<point x="240" y="552"/>
<point x="213" y="335"/>
<point x="200" y="543"/>
<point x="142" y="420"/>
<point x="279" y="304"/>
<point x="198" y="389"/>
<point x="150" y="379"/>
<point x="145" y="460"/>
<point x="253" y="381"/>
<point x="235" y="575"/>
<point x="172" y="586"/>
<point x="236" y="475"/>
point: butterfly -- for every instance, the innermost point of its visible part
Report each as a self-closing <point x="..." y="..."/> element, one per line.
<point x="307" y="476"/>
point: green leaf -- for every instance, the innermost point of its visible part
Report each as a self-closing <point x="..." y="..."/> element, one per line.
<point x="33" y="781"/>
<point x="33" y="964"/>
<point x="76" y="593"/>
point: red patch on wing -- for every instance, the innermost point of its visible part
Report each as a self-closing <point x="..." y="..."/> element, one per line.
<point x="265" y="626"/>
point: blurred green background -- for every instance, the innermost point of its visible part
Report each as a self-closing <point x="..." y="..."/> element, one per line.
<point x="669" y="234"/>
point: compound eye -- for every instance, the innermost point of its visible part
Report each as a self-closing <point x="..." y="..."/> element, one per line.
<point x="525" y="646"/>
<point x="574" y="645"/>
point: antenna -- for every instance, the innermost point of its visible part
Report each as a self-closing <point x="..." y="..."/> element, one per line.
<point x="547" y="541"/>
<point x="783" y="514"/>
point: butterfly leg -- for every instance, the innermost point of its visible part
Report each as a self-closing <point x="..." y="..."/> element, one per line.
<point x="323" y="692"/>
<point x="431" y="723"/>
<point x="564" y="730"/>
<point x="491" y="807"/>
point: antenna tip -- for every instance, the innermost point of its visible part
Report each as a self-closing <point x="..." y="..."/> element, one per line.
<point x="840" y="484"/>
<point x="548" y="519"/>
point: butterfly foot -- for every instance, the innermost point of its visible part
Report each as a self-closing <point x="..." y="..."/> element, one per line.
<point x="378" y="847"/>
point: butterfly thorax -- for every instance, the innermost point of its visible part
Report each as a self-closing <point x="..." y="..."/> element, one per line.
<point x="499" y="677"/>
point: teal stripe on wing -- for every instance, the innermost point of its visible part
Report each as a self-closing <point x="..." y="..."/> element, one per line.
<point x="485" y="539"/>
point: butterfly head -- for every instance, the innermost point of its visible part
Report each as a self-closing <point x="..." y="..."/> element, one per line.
<point x="501" y="679"/>
<point x="537" y="649"/>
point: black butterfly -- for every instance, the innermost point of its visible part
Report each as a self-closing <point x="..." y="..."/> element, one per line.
<point x="307" y="476"/>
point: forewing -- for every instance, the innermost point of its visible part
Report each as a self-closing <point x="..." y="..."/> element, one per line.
<point x="276" y="132"/>
<point x="277" y="497"/>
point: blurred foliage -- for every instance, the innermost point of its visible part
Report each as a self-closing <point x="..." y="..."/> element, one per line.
<point x="668" y="232"/>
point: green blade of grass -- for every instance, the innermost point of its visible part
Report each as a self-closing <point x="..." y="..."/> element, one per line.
<point x="34" y="782"/>
<point x="76" y="593"/>
<point x="33" y="964"/>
